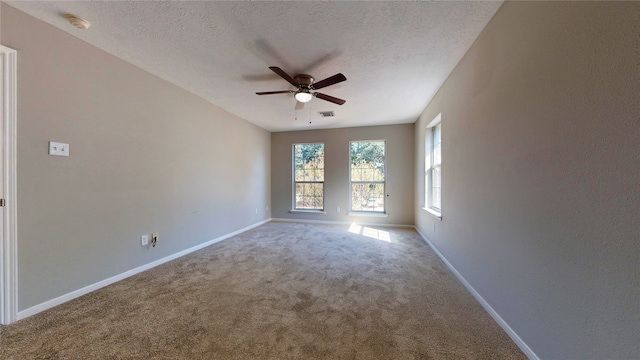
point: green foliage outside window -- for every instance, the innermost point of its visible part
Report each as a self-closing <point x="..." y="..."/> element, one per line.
<point x="367" y="171"/>
<point x="308" y="167"/>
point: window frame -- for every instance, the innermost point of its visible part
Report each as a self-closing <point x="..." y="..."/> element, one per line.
<point x="431" y="166"/>
<point x="294" y="182"/>
<point x="383" y="212"/>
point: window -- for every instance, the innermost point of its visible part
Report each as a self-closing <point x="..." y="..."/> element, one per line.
<point x="433" y="165"/>
<point x="308" y="176"/>
<point x="367" y="175"/>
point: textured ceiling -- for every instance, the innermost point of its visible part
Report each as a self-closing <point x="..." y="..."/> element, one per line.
<point x="395" y="55"/>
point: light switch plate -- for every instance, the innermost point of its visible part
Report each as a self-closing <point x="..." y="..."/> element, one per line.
<point x="58" y="149"/>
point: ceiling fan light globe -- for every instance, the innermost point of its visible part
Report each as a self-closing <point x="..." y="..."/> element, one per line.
<point x="303" y="96"/>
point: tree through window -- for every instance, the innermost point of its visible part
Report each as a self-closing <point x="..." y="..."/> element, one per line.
<point x="367" y="175"/>
<point x="308" y="176"/>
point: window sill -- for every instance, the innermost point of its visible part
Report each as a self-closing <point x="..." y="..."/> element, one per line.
<point x="367" y="213"/>
<point x="436" y="214"/>
<point x="316" y="212"/>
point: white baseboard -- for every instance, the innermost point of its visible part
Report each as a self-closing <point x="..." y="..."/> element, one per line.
<point x="503" y="324"/>
<point x="326" y="222"/>
<point x="100" y="284"/>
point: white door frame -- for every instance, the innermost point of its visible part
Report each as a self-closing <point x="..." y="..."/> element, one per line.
<point x="9" y="240"/>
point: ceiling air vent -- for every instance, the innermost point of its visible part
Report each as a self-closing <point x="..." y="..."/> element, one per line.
<point x="326" y="113"/>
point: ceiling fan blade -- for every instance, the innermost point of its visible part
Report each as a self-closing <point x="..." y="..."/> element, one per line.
<point x="273" y="92"/>
<point x="299" y="105"/>
<point x="332" y="99"/>
<point x="283" y="75"/>
<point x="329" y="81"/>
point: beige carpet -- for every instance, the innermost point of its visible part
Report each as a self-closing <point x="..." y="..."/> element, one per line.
<point x="280" y="291"/>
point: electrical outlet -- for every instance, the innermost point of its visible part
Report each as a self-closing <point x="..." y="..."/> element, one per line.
<point x="58" y="149"/>
<point x="154" y="239"/>
<point x="338" y="209"/>
<point x="144" y="240"/>
<point x="256" y="210"/>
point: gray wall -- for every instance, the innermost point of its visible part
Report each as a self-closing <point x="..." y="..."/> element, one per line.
<point x="541" y="179"/>
<point x="399" y="172"/>
<point x="146" y="156"/>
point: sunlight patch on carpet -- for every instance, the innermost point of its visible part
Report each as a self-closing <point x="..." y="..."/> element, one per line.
<point x="370" y="232"/>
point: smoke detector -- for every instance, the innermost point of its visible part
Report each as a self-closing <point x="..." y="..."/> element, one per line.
<point x="326" y="113"/>
<point x="78" y="22"/>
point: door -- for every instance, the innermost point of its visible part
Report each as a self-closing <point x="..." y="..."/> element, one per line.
<point x="8" y="242"/>
<point x="2" y="247"/>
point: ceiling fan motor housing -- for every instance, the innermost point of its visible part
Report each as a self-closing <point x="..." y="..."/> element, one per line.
<point x="304" y="81"/>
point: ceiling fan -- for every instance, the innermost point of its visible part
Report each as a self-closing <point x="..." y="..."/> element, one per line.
<point x="305" y="84"/>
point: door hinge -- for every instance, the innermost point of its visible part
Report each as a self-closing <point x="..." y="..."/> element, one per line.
<point x="1" y="202"/>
